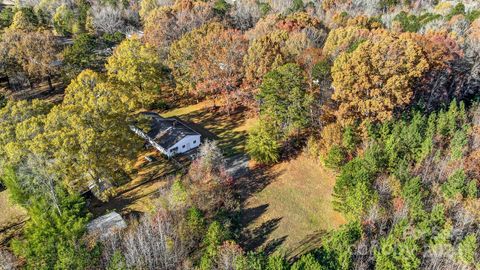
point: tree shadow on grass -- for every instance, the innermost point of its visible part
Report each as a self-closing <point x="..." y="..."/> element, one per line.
<point x="247" y="185"/>
<point x="309" y="243"/>
<point x="254" y="238"/>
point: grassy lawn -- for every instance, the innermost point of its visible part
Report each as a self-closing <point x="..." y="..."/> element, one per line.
<point x="138" y="194"/>
<point x="295" y="205"/>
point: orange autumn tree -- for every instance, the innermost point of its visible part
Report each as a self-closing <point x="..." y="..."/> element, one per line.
<point x="218" y="67"/>
<point x="377" y="78"/>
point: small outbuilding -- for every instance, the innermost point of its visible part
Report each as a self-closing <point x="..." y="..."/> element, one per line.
<point x="106" y="224"/>
<point x="170" y="136"/>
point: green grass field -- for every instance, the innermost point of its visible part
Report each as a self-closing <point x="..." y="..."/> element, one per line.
<point x="295" y="206"/>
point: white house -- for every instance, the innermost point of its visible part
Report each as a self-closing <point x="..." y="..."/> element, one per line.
<point x="169" y="136"/>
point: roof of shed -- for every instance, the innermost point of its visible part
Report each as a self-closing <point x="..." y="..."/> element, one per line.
<point x="106" y="224"/>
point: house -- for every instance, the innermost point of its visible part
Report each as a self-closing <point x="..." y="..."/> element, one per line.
<point x="107" y="224"/>
<point x="169" y="136"/>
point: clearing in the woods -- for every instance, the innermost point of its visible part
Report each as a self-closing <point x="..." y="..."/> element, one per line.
<point x="296" y="202"/>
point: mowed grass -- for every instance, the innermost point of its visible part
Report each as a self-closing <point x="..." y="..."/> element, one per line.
<point x="295" y="205"/>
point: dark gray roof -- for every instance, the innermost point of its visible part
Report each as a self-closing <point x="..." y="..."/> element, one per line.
<point x="167" y="131"/>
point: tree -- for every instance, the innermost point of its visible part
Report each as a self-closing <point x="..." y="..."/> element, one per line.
<point x="467" y="249"/>
<point x="377" y="78"/>
<point x="22" y="121"/>
<point x="307" y="262"/>
<point x="183" y="52"/>
<point x="107" y="19"/>
<point x="137" y="67"/>
<point x="6" y="17"/>
<point x="262" y="143"/>
<point x="161" y="29"/>
<point x="24" y="19"/>
<point x="264" y="54"/>
<point x="341" y="39"/>
<point x="218" y="68"/>
<point x="147" y="6"/>
<point x="36" y="52"/>
<point x="283" y="99"/>
<point x="79" y="56"/>
<point x="91" y="131"/>
<point x="245" y="14"/>
<point x="64" y="20"/>
<point x="52" y="240"/>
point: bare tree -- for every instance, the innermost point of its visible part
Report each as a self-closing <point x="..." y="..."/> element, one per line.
<point x="154" y="243"/>
<point x="107" y="19"/>
<point x="245" y="14"/>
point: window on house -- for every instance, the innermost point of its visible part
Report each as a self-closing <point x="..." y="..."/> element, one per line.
<point x="195" y="141"/>
<point x="183" y="146"/>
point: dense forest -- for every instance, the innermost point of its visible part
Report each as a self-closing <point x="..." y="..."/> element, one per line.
<point x="382" y="93"/>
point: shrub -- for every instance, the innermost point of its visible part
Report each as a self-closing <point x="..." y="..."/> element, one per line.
<point x="262" y="144"/>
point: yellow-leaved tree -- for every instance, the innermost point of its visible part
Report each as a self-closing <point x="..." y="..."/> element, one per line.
<point x="90" y="131"/>
<point x="377" y="78"/>
<point x="137" y="67"/>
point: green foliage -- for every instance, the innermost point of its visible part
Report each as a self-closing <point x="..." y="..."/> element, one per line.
<point x="321" y="71"/>
<point x="353" y="189"/>
<point x="221" y="7"/>
<point x="284" y="99"/>
<point x="52" y="239"/>
<point x="414" y="195"/>
<point x="24" y="19"/>
<point x="307" y="262"/>
<point x="471" y="189"/>
<point x="216" y="234"/>
<point x="79" y="56"/>
<point x="297" y="6"/>
<point x="355" y="45"/>
<point x="335" y="158"/>
<point x="112" y="39"/>
<point x="276" y="262"/>
<point x="386" y="4"/>
<point x="179" y="192"/>
<point x="427" y="144"/>
<point x="6" y="17"/>
<point x="337" y="248"/>
<point x="64" y="20"/>
<point x="398" y="250"/>
<point x="459" y="9"/>
<point x="350" y="139"/>
<point x="472" y="15"/>
<point x="467" y="249"/>
<point x="117" y="262"/>
<point x="15" y="191"/>
<point x="454" y="185"/>
<point x="413" y="23"/>
<point x="264" y="8"/>
<point x="262" y="144"/>
<point x="458" y="143"/>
